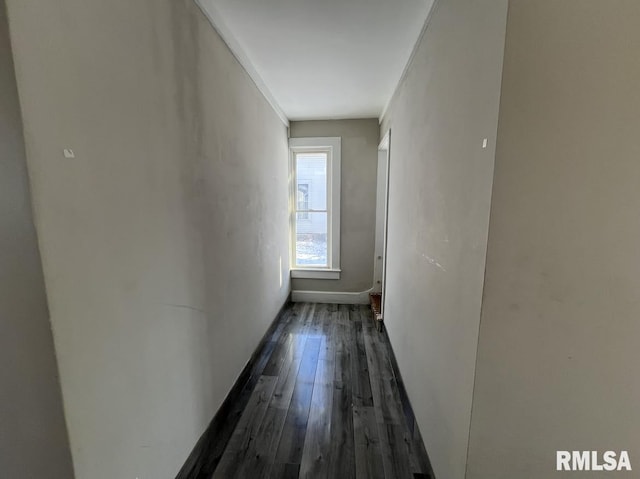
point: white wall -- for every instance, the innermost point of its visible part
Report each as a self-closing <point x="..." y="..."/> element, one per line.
<point x="558" y="352"/>
<point x="359" y="161"/>
<point x="440" y="188"/>
<point x="33" y="435"/>
<point x="162" y="239"/>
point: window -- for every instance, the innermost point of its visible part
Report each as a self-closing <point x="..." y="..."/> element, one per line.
<point x="315" y="215"/>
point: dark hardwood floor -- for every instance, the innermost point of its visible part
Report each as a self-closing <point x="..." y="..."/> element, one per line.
<point x="326" y="403"/>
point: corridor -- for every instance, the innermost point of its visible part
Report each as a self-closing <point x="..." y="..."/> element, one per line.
<point x="326" y="403"/>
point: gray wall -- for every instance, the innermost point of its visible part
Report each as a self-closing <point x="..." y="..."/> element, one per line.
<point x="162" y="239"/>
<point x="357" y="201"/>
<point x="558" y="352"/>
<point x="439" y="197"/>
<point x="33" y="434"/>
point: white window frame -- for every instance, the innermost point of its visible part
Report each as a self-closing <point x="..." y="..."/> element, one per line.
<point x="331" y="146"/>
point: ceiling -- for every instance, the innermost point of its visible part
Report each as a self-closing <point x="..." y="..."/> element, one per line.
<point x="322" y="59"/>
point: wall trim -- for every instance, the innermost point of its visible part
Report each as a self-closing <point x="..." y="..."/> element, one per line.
<point x="218" y="24"/>
<point x="407" y="67"/>
<point x="315" y="273"/>
<point x="206" y="454"/>
<point x="332" y="297"/>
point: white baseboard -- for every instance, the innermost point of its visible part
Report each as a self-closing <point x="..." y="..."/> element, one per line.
<point x="334" y="297"/>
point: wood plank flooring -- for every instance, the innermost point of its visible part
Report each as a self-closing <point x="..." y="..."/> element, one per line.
<point x="327" y="404"/>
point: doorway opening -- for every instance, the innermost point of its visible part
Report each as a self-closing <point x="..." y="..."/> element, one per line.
<point x="380" y="253"/>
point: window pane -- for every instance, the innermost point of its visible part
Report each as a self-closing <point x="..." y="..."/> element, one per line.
<point x="311" y="239"/>
<point x="303" y="200"/>
<point x="311" y="175"/>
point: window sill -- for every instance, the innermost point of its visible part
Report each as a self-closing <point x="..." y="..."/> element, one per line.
<point x="316" y="273"/>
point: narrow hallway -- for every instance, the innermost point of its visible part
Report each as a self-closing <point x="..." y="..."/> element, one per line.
<point x="325" y="403"/>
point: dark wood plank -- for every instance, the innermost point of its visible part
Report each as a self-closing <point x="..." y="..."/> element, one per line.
<point x="343" y="339"/>
<point x="360" y="370"/>
<point x="309" y="362"/>
<point x="317" y="444"/>
<point x="386" y="397"/>
<point x="368" y="458"/>
<point x="301" y="331"/>
<point x="329" y="321"/>
<point x="396" y="448"/>
<point x="342" y="456"/>
<point x="284" y="471"/>
<point x="295" y="427"/>
<point x="261" y="457"/>
<point x="377" y="353"/>
<point x="246" y="430"/>
<point x="386" y="349"/>
<point x="318" y="318"/>
<point x="286" y="384"/>
<point x="283" y="340"/>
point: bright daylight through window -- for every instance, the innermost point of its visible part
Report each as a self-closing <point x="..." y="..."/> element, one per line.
<point x="315" y="201"/>
<point x="311" y="212"/>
